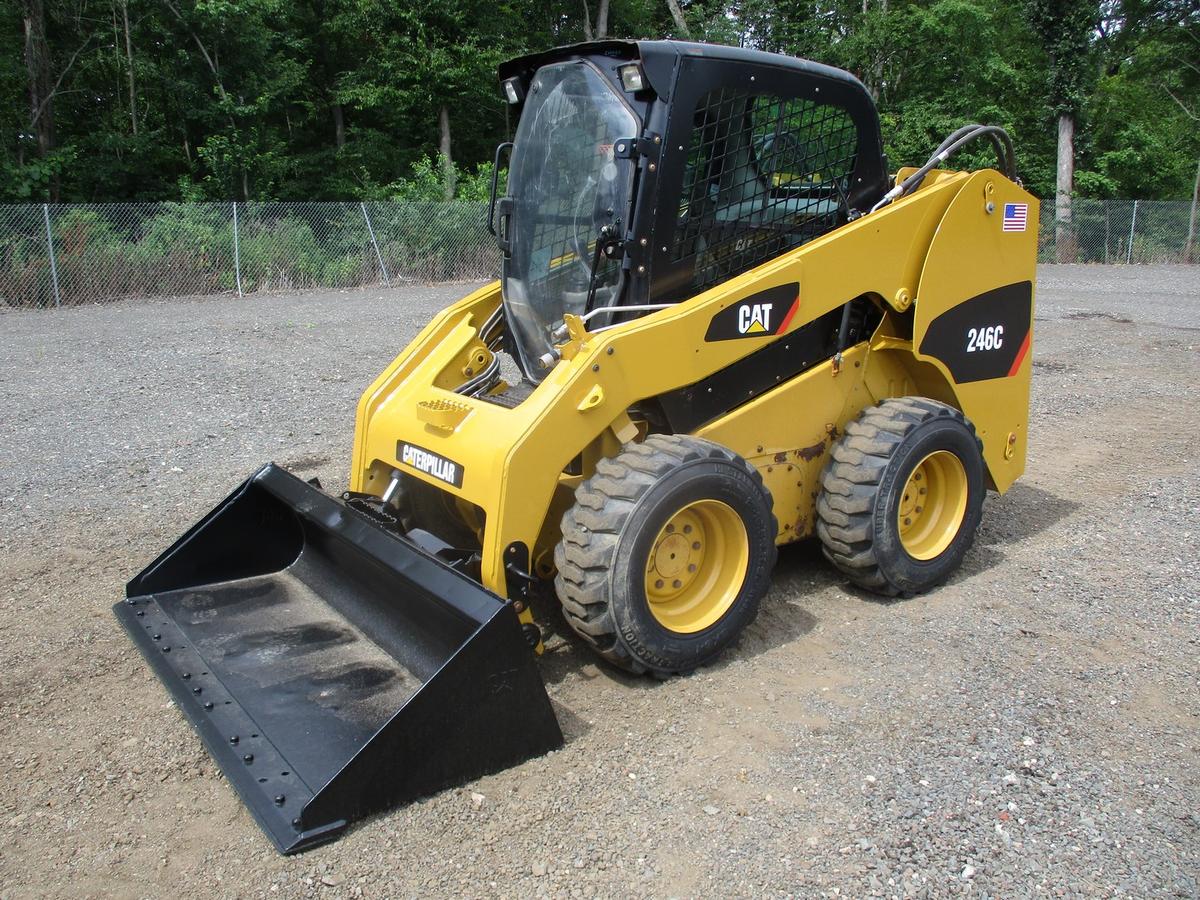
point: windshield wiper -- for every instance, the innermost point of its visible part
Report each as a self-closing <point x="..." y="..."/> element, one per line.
<point x="612" y="247"/>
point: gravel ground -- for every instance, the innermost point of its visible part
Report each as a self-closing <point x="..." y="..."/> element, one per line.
<point x="1033" y="727"/>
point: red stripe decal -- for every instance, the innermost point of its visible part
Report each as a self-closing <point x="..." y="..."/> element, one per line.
<point x="787" y="320"/>
<point x="1021" y="354"/>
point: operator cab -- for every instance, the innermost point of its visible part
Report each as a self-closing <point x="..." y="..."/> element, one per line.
<point x="643" y="173"/>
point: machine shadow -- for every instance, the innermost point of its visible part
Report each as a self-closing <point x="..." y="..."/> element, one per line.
<point x="1008" y="521"/>
<point x="800" y="568"/>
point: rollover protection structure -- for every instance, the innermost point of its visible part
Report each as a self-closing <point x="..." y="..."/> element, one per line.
<point x="726" y="328"/>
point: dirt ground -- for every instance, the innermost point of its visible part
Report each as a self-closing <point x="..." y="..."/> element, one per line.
<point x="1033" y="727"/>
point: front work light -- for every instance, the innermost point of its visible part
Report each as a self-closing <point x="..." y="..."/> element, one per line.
<point x="512" y="90"/>
<point x="632" y="78"/>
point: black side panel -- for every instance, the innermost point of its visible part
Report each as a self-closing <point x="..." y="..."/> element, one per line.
<point x="344" y="671"/>
<point x="983" y="337"/>
<point x="690" y="407"/>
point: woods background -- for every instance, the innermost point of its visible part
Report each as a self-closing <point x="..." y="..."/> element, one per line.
<point x="117" y="100"/>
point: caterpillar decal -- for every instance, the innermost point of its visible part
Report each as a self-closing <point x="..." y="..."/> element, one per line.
<point x="430" y="463"/>
<point x="765" y="313"/>
<point x="984" y="337"/>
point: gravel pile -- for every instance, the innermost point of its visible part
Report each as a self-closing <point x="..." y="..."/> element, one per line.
<point x="1032" y="727"/>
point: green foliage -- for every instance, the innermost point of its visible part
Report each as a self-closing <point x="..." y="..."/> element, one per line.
<point x="426" y="182"/>
<point x="340" y="99"/>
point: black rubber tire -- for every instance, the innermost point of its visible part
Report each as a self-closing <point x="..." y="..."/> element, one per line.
<point x="862" y="484"/>
<point x="609" y="532"/>
<point x="422" y="505"/>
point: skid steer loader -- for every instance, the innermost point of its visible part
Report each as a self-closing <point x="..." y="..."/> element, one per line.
<point x="721" y="327"/>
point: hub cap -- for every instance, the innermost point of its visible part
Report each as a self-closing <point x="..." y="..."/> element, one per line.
<point x="697" y="566"/>
<point x="932" y="505"/>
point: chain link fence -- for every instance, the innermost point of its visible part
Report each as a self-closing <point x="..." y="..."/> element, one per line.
<point x="1127" y="232"/>
<point x="71" y="254"/>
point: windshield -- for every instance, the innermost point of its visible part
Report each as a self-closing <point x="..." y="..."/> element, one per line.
<point x="566" y="184"/>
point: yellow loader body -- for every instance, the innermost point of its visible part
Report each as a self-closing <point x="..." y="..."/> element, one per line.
<point x="923" y="256"/>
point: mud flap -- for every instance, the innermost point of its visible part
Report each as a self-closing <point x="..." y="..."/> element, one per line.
<point x="332" y="667"/>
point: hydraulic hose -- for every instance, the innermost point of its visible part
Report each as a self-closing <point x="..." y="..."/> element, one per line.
<point x="997" y="136"/>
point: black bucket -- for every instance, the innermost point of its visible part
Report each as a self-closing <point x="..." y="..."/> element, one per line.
<point x="332" y="667"/>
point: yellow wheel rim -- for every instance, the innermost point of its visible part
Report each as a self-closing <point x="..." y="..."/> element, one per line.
<point x="932" y="505"/>
<point x="697" y="566"/>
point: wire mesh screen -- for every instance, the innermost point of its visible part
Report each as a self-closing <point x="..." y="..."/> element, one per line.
<point x="763" y="175"/>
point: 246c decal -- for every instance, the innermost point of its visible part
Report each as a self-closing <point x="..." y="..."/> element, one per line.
<point x="985" y="338"/>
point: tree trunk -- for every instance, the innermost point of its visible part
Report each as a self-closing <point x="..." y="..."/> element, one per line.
<point x="587" y="22"/>
<point x="677" y="16"/>
<point x="339" y="125"/>
<point x="129" y="67"/>
<point x="448" y="175"/>
<point x="37" y="65"/>
<point x="1189" y="246"/>
<point x="1064" y="244"/>
<point x="602" y="20"/>
<point x="877" y="64"/>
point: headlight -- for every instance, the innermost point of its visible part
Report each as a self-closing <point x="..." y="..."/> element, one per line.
<point x="512" y="90"/>
<point x="632" y="78"/>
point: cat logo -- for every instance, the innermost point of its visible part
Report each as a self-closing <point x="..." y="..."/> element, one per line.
<point x="759" y="315"/>
<point x="755" y="318"/>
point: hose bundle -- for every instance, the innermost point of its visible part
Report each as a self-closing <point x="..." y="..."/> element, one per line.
<point x="492" y="334"/>
<point x="998" y="137"/>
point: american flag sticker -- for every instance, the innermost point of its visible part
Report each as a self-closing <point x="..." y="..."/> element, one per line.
<point x="1015" y="216"/>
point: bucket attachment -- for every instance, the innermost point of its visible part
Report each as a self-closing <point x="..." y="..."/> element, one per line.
<point x="332" y="667"/>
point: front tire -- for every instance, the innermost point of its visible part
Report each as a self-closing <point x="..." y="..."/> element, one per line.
<point x="902" y="496"/>
<point x="666" y="554"/>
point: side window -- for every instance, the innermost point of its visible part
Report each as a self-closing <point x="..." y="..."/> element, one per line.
<point x="763" y="174"/>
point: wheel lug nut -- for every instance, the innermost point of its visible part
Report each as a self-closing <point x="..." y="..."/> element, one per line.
<point x="687" y="529"/>
<point x="670" y="528"/>
<point x="658" y="583"/>
<point x="695" y="545"/>
<point x="691" y="567"/>
<point x="677" y="583"/>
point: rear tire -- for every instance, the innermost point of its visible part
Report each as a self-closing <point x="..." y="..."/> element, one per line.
<point x="666" y="554"/>
<point x="902" y="496"/>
